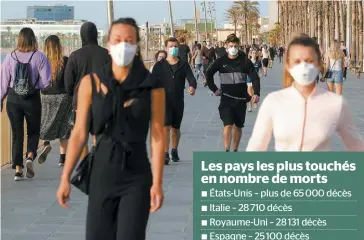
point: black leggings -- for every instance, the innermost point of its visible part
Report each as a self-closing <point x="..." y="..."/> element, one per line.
<point x="345" y="72"/>
<point x="18" y="109"/>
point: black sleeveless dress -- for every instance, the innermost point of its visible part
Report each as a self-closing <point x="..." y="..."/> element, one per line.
<point x="121" y="177"/>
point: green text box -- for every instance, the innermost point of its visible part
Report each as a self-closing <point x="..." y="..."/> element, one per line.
<point x="315" y="196"/>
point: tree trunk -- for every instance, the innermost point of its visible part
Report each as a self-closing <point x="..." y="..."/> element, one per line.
<point x="326" y="9"/>
<point x="353" y="33"/>
<point x="336" y="17"/>
<point x="360" y="33"/>
<point x="312" y="19"/>
<point x="235" y="27"/>
<point x="341" y="21"/>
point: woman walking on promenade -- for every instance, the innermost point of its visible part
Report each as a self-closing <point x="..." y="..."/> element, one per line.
<point x="56" y="103"/>
<point x="23" y="72"/>
<point x="123" y="188"/>
<point x="303" y="116"/>
<point x="335" y="61"/>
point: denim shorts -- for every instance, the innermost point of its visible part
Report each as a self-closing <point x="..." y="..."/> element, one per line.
<point x="337" y="77"/>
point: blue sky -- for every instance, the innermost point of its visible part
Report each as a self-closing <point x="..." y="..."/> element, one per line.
<point x="142" y="11"/>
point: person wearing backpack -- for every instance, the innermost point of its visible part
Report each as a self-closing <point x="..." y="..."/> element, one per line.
<point x="23" y="73"/>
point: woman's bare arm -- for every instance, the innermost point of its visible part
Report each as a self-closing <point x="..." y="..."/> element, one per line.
<point x="79" y="133"/>
<point x="157" y="134"/>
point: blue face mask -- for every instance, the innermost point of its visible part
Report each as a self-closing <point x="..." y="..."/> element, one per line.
<point x="173" y="51"/>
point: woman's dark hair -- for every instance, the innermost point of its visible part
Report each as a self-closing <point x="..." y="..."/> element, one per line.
<point x="27" y="42"/>
<point x="130" y="22"/>
<point x="232" y="38"/>
<point x="171" y="39"/>
<point x="199" y="46"/>
<point x="300" y="41"/>
<point x="157" y="54"/>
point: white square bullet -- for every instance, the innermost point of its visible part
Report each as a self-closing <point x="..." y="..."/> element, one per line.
<point x="204" y="194"/>
<point x="204" y="236"/>
<point x="204" y="208"/>
<point x="204" y="222"/>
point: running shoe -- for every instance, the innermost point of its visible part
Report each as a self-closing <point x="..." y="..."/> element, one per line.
<point x="19" y="176"/>
<point x="255" y="105"/>
<point x="175" y="157"/>
<point x="167" y="159"/>
<point x="43" y="155"/>
<point x="61" y="163"/>
<point x="29" y="166"/>
<point x="249" y="108"/>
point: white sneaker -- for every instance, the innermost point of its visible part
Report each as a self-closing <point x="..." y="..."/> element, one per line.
<point x="255" y="105"/>
<point x="249" y="108"/>
<point x="29" y="166"/>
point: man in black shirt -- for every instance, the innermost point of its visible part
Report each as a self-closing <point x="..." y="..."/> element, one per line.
<point x="220" y="50"/>
<point x="233" y="68"/>
<point x="90" y="58"/>
<point x="173" y="72"/>
<point x="280" y="54"/>
<point x="208" y="57"/>
<point x="184" y="52"/>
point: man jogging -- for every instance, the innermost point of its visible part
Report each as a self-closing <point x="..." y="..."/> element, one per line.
<point x="174" y="72"/>
<point x="234" y="69"/>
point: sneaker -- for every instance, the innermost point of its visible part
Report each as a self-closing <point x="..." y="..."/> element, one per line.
<point x="43" y="155"/>
<point x="61" y="163"/>
<point x="249" y="108"/>
<point x="19" y="176"/>
<point x="167" y="159"/>
<point x="29" y="166"/>
<point x="255" y="105"/>
<point x="175" y="157"/>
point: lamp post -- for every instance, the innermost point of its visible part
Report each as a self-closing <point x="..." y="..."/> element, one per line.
<point x="203" y="4"/>
<point x="110" y="12"/>
<point x="170" y="17"/>
<point x="196" y="26"/>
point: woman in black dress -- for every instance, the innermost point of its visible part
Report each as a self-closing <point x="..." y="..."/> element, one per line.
<point x="123" y="99"/>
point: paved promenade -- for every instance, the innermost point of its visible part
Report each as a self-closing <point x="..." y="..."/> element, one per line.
<point x="30" y="210"/>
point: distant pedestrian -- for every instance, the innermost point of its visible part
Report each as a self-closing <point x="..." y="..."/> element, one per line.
<point x="161" y="54"/>
<point x="335" y="65"/>
<point x="184" y="51"/>
<point x="56" y="103"/>
<point x="23" y="73"/>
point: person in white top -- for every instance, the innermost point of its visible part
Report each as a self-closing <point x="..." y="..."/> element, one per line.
<point x="303" y="116"/>
<point x="158" y="56"/>
<point x="197" y="58"/>
<point x="265" y="59"/>
<point x="335" y="61"/>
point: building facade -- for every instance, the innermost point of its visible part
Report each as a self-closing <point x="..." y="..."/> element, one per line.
<point x="67" y="30"/>
<point x="51" y="13"/>
<point x="273" y="13"/>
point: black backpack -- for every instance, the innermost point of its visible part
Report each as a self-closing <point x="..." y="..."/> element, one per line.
<point x="23" y="85"/>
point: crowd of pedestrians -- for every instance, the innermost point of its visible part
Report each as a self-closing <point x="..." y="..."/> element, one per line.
<point x="110" y="95"/>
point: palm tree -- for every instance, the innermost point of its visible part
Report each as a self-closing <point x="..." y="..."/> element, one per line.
<point x="233" y="15"/>
<point x="245" y="8"/>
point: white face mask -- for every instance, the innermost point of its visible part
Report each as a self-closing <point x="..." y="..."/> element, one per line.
<point x="233" y="51"/>
<point x="122" y="53"/>
<point x="304" y="73"/>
